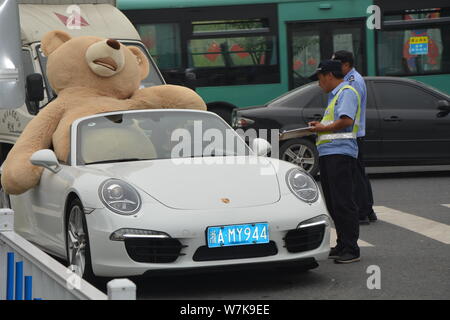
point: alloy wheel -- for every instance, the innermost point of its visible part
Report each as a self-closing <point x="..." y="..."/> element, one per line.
<point x="300" y="155"/>
<point x="76" y="240"/>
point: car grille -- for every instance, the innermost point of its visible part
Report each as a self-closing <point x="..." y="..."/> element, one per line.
<point x="235" y="252"/>
<point x="154" y="250"/>
<point x="304" y="239"/>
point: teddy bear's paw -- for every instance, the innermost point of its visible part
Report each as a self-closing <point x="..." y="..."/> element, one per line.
<point x="17" y="180"/>
<point x="169" y="97"/>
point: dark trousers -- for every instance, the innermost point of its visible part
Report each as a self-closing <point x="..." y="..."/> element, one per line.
<point x="363" y="190"/>
<point x="337" y="175"/>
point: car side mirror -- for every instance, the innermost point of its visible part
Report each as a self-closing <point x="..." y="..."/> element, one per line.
<point x="34" y="92"/>
<point x="261" y="147"/>
<point x="46" y="158"/>
<point x="443" y="105"/>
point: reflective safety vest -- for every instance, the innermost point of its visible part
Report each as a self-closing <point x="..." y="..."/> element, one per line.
<point x="328" y="118"/>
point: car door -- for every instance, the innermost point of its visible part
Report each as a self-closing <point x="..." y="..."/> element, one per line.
<point x="411" y="130"/>
<point x="48" y="200"/>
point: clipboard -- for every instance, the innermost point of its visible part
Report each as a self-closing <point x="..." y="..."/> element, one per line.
<point x="295" y="133"/>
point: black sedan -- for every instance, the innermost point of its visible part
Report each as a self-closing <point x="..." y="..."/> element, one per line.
<point x="407" y="123"/>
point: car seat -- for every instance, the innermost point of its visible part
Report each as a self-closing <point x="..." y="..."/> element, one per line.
<point x="115" y="143"/>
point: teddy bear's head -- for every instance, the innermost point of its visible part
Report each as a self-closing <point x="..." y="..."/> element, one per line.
<point x="103" y="64"/>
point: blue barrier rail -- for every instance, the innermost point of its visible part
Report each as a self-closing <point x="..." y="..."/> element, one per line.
<point x="36" y="271"/>
<point x="28" y="288"/>
<point x="10" y="277"/>
<point x="19" y="280"/>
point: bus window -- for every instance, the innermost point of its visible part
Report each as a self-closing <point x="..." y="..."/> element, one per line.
<point x="228" y="26"/>
<point x="406" y="48"/>
<point x="312" y="42"/>
<point x="233" y="52"/>
<point x="349" y="39"/>
<point x="163" y="42"/>
<point x="411" y="52"/>
<point x="213" y="45"/>
<point x="306" y="55"/>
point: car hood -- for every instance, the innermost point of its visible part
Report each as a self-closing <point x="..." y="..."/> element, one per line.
<point x="202" y="183"/>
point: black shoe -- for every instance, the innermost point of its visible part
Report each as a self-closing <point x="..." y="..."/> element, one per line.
<point x="347" y="258"/>
<point x="334" y="253"/>
<point x="364" y="221"/>
<point x="373" y="217"/>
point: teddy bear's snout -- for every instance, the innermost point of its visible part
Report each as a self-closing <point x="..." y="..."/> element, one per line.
<point x="105" y="58"/>
<point x="113" y="44"/>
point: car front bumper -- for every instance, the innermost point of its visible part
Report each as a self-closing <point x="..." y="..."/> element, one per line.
<point x="111" y="259"/>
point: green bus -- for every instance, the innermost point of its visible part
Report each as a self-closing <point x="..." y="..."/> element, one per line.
<point x="246" y="52"/>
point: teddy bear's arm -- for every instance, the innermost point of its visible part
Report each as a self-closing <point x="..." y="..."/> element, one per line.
<point x="168" y="97"/>
<point x="18" y="174"/>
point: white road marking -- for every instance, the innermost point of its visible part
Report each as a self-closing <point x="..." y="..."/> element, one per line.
<point x="426" y="227"/>
<point x="333" y="237"/>
<point x="446" y="205"/>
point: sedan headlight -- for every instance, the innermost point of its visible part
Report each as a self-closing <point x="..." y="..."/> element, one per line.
<point x="302" y="185"/>
<point x="120" y="197"/>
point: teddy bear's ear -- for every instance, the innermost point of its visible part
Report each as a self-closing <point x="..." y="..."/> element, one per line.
<point x="52" y="40"/>
<point x="142" y="61"/>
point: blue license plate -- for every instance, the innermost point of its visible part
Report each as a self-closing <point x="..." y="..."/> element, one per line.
<point x="237" y="235"/>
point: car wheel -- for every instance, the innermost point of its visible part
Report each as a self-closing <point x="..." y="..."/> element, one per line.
<point x="77" y="241"/>
<point x="4" y="198"/>
<point x="301" y="152"/>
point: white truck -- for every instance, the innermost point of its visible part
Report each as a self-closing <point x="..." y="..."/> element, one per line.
<point x="100" y="19"/>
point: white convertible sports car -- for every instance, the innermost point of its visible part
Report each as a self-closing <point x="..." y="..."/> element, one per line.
<point x="139" y="194"/>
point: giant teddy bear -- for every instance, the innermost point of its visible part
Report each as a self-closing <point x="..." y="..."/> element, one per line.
<point x="90" y="75"/>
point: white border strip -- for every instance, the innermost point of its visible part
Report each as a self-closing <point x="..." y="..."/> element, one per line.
<point x="426" y="227"/>
<point x="333" y="238"/>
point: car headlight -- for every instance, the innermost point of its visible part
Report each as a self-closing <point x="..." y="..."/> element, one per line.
<point x="120" y="197"/>
<point x="302" y="185"/>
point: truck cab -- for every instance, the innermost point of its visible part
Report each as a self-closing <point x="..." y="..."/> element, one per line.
<point x="102" y="20"/>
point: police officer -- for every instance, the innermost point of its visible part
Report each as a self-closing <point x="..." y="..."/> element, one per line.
<point x="338" y="150"/>
<point x="364" y="195"/>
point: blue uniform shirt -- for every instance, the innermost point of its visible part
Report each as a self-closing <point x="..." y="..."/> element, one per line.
<point x="357" y="82"/>
<point x="346" y="105"/>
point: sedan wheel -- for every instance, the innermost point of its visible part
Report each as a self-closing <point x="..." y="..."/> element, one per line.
<point x="77" y="242"/>
<point x="301" y="152"/>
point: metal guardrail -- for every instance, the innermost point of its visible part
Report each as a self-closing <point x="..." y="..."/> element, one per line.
<point x="26" y="272"/>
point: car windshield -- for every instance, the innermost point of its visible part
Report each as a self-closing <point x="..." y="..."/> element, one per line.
<point x="153" y="78"/>
<point x="148" y="135"/>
